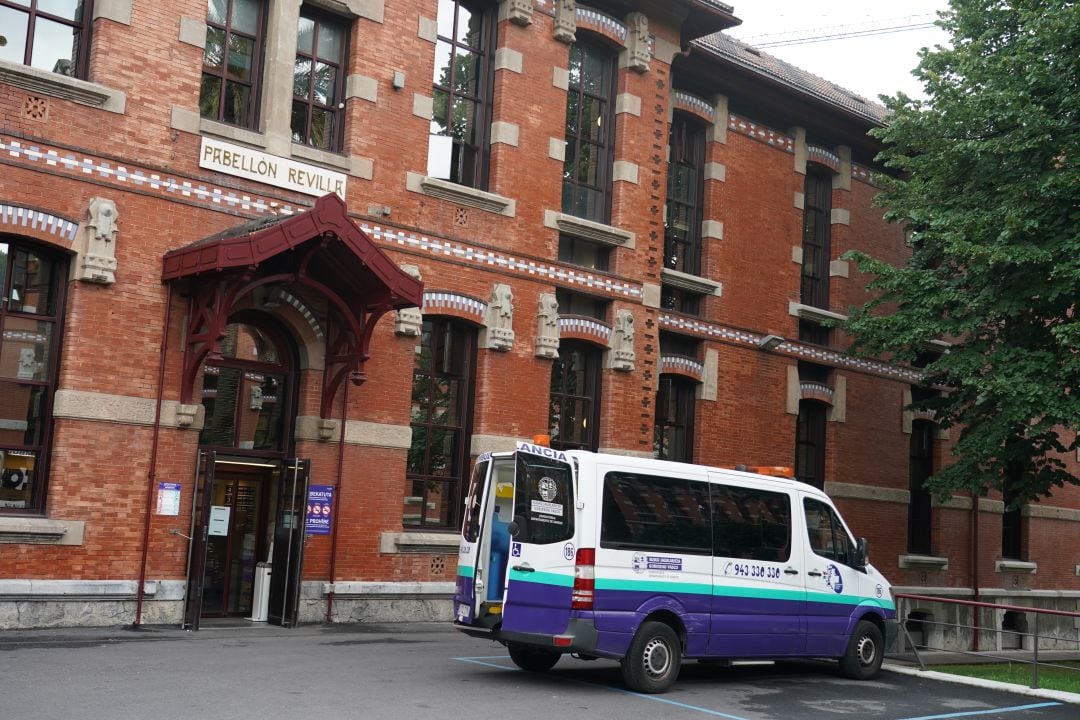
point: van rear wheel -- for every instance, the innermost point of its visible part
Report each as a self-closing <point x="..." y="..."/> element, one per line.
<point x="865" y="651"/>
<point x="652" y="663"/>
<point x="532" y="659"/>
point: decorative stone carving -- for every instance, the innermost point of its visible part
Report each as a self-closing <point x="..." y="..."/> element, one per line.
<point x="99" y="256"/>
<point x="637" y="42"/>
<point x="499" y="334"/>
<point x="28" y="364"/>
<point x="565" y="21"/>
<point x="409" y="322"/>
<point x="327" y="429"/>
<point x="547" y="327"/>
<point x="186" y="415"/>
<point x="623" y="357"/>
<point x="519" y="12"/>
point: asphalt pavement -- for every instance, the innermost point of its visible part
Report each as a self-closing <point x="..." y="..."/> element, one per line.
<point x="425" y="670"/>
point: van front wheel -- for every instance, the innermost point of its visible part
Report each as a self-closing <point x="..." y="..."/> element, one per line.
<point x="652" y="662"/>
<point x="865" y="651"/>
<point x="532" y="659"/>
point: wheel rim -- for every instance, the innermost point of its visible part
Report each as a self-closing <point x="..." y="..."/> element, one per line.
<point x="656" y="658"/>
<point x="867" y="651"/>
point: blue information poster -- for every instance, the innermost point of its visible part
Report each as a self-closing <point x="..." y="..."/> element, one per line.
<point x="320" y="501"/>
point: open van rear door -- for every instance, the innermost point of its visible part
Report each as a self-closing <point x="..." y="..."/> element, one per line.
<point x="542" y="549"/>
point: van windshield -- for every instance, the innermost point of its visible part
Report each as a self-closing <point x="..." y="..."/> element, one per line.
<point x="543" y="500"/>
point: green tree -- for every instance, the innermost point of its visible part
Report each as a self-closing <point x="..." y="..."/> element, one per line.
<point x="988" y="188"/>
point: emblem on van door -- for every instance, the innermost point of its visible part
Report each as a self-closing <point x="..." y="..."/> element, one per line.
<point x="568" y="551"/>
<point x="548" y="489"/>
<point x="834" y="579"/>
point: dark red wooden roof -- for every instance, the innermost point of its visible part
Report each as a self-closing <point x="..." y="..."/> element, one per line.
<point x="351" y="255"/>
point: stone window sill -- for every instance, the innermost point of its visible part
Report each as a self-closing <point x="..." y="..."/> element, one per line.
<point x="232" y="132"/>
<point x="1016" y="566"/>
<point x="40" y="531"/>
<point x="589" y="230"/>
<point x="43" y="82"/>
<point x="431" y="543"/>
<point x="924" y="562"/>
<point x="460" y="194"/>
<point x="814" y="314"/>
<point x="691" y="283"/>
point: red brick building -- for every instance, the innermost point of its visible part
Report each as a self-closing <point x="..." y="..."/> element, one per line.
<point x="266" y="254"/>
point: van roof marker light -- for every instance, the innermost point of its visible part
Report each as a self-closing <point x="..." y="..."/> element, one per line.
<point x="542" y="440"/>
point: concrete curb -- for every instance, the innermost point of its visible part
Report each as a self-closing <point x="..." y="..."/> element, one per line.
<point x="1060" y="696"/>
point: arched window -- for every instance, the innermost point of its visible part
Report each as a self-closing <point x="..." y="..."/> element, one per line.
<point x="247" y="393"/>
<point x="574" y="409"/>
<point x="31" y="316"/>
<point x="441" y="417"/>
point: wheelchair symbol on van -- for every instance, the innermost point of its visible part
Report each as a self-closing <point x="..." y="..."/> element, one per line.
<point x="834" y="579"/>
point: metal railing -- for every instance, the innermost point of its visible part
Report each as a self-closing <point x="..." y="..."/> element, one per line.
<point x="904" y="604"/>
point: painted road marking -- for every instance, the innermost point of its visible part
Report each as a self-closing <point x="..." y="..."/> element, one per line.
<point x="705" y="711"/>
<point x="972" y="713"/>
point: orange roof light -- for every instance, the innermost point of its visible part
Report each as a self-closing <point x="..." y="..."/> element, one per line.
<point x="771" y="470"/>
<point x="542" y="440"/>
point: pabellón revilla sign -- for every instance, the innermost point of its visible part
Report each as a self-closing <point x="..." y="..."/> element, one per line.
<point x="270" y="169"/>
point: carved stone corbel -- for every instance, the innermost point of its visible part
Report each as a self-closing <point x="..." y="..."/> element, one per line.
<point x="637" y="42"/>
<point x="499" y="323"/>
<point x="565" y="21"/>
<point x="621" y="348"/>
<point x="99" y="256"/>
<point x="409" y="322"/>
<point x="519" y="12"/>
<point x="547" y="327"/>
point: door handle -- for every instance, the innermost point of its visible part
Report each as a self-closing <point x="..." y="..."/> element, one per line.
<point x="790" y="571"/>
<point x="524" y="567"/>
<point x="814" y="573"/>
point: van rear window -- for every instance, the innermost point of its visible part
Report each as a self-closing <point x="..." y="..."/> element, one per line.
<point x="655" y="513"/>
<point x="543" y="500"/>
<point x="751" y="524"/>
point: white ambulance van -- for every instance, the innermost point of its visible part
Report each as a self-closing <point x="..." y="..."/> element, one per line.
<point x="649" y="562"/>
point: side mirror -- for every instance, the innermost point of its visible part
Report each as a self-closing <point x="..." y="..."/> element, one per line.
<point x="862" y="553"/>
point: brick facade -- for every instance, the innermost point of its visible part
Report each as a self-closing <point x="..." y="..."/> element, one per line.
<point x="140" y="148"/>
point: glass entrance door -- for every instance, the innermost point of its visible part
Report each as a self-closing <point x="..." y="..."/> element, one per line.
<point x="235" y="540"/>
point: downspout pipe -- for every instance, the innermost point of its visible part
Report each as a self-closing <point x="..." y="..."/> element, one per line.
<point x="336" y="528"/>
<point x="975" y="567"/>
<point x="152" y="475"/>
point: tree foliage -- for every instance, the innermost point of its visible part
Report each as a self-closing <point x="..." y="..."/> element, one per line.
<point x="987" y="186"/>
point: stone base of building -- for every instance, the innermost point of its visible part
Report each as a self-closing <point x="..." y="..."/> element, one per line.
<point x="949" y="627"/>
<point x="28" y="604"/>
<point x="378" y="602"/>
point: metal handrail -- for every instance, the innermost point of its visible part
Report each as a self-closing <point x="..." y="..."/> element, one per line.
<point x="1036" y="637"/>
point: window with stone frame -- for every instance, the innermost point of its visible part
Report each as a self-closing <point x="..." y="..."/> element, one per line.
<point x="574" y="404"/>
<point x="51" y="35"/>
<point x="441" y="418"/>
<point x="685" y="195"/>
<point x="810" y="443"/>
<point x="673" y="428"/>
<point x="318" y="107"/>
<point x="232" y="61"/>
<point x="572" y="303"/>
<point x="1012" y="521"/>
<point x="816" y="240"/>
<point x="590" y="130"/>
<point x="34" y="283"/>
<point x="679" y="300"/>
<point x="920" y="506"/>
<point x="585" y="253"/>
<point x="464" y="79"/>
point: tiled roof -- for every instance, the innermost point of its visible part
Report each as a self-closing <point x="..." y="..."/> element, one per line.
<point x="731" y="50"/>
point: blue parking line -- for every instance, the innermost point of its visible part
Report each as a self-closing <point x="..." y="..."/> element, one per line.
<point x="972" y="713"/>
<point x="654" y="698"/>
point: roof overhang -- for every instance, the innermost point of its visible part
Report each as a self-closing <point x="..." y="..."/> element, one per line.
<point x="347" y="253"/>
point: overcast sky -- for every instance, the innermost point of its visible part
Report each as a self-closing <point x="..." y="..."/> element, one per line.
<point x="872" y="65"/>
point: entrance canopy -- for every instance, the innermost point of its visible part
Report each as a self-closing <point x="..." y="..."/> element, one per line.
<point x="318" y="253"/>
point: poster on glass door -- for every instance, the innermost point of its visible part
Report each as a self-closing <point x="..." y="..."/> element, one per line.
<point x="320" y="502"/>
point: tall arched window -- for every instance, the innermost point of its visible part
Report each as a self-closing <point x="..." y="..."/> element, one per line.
<point x="574" y="409"/>
<point x="441" y="418"/>
<point x="247" y="393"/>
<point x="31" y="316"/>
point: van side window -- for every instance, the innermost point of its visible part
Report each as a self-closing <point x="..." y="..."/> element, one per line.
<point x="655" y="513"/>
<point x="751" y="524"/>
<point x="543" y="500"/>
<point x="471" y="529"/>
<point x="828" y="538"/>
